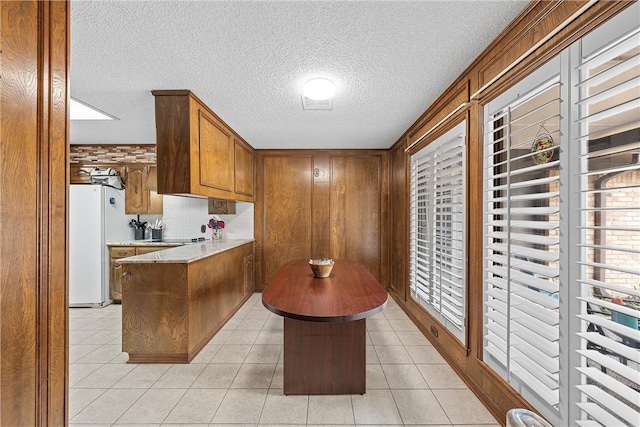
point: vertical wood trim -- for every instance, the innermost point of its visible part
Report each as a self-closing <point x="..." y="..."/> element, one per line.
<point x="33" y="197"/>
<point x="320" y="208"/>
<point x="58" y="184"/>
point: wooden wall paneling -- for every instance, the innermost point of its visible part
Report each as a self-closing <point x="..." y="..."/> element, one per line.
<point x="356" y="210"/>
<point x="19" y="256"/>
<point x="279" y="175"/>
<point x="286" y="212"/>
<point x="259" y="220"/>
<point x="33" y="194"/>
<point x="399" y="223"/>
<point x="385" y="218"/>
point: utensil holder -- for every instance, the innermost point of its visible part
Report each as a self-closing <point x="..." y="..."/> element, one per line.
<point x="156" y="234"/>
<point x="217" y="234"/>
<point x="138" y="233"/>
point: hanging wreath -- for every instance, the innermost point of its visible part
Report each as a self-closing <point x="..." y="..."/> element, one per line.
<point x="542" y="148"/>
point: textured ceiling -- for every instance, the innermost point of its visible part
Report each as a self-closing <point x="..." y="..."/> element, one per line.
<point x="247" y="61"/>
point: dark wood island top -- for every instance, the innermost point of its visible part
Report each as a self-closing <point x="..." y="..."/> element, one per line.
<point x="349" y="293"/>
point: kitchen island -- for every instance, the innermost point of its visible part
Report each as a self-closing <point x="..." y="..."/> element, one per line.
<point x="324" y="325"/>
<point x="175" y="300"/>
<point x="129" y="248"/>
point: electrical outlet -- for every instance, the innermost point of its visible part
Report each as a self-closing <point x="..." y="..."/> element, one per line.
<point x="434" y="331"/>
<point x="203" y="228"/>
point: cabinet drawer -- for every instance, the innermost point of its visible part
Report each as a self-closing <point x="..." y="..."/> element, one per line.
<point x="146" y="249"/>
<point x="123" y="252"/>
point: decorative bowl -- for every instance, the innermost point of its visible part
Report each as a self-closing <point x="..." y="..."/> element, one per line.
<point x="321" y="268"/>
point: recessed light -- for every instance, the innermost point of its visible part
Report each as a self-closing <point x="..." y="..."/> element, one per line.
<point x="78" y="110"/>
<point x="319" y="89"/>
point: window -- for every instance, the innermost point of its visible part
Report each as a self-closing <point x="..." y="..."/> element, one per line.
<point x="562" y="231"/>
<point x="608" y="140"/>
<point x="437" y="220"/>
<point x="522" y="236"/>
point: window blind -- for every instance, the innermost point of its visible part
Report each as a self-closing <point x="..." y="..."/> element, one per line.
<point x="522" y="229"/>
<point x="609" y="233"/>
<point x="437" y="259"/>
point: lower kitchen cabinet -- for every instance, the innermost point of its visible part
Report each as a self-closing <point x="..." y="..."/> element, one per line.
<point x="171" y="310"/>
<point x="115" y="276"/>
<point x="248" y="274"/>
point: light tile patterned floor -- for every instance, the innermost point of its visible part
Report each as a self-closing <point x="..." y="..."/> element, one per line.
<point x="237" y="379"/>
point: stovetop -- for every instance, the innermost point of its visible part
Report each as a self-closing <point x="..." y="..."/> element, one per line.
<point x="187" y="240"/>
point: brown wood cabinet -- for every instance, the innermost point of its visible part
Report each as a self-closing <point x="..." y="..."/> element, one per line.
<point x="115" y="269"/>
<point x="81" y="173"/>
<point x="243" y="169"/>
<point x="321" y="204"/>
<point x="222" y="207"/>
<point x="197" y="153"/>
<point x="140" y="192"/>
<point x="171" y="310"/>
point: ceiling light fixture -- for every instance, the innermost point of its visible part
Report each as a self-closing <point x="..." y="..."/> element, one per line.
<point x="319" y="89"/>
<point x="78" y="110"/>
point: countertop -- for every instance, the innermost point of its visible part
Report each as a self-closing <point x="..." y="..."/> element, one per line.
<point x="187" y="253"/>
<point x="145" y="242"/>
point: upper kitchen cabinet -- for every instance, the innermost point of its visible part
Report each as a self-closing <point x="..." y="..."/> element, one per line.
<point x="140" y="191"/>
<point x="197" y="153"/>
<point x="243" y="169"/>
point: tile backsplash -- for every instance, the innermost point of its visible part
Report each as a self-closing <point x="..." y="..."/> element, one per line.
<point x="96" y="154"/>
<point x="183" y="217"/>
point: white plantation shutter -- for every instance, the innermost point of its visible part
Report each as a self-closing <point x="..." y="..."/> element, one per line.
<point x="609" y="232"/>
<point x="437" y="261"/>
<point x="522" y="230"/>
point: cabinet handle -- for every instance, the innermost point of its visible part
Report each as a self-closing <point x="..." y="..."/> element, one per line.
<point x="126" y="274"/>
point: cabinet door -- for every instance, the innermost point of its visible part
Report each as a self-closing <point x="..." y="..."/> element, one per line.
<point x="222" y="207"/>
<point x="79" y="174"/>
<point x="248" y="274"/>
<point x="155" y="199"/>
<point x="135" y="193"/>
<point x="116" y="280"/>
<point x="216" y="153"/>
<point x="115" y="270"/>
<point x="243" y="170"/>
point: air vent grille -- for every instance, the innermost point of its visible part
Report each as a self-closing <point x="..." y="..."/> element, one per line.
<point x="312" y="104"/>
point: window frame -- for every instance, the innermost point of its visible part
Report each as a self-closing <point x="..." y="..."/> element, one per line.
<point x="457" y="329"/>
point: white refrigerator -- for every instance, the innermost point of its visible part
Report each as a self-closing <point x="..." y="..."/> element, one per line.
<point x="96" y="216"/>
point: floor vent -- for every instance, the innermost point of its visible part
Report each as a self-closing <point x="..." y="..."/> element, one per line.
<point x="312" y="104"/>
